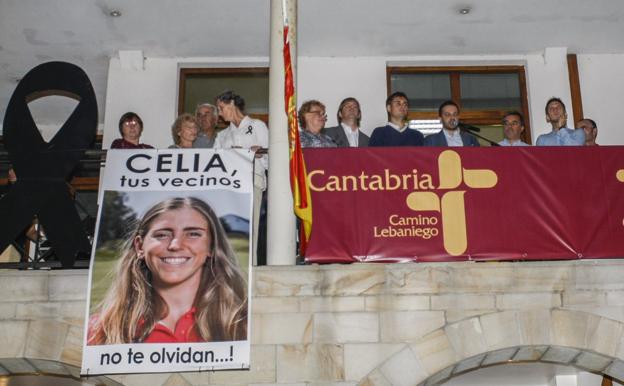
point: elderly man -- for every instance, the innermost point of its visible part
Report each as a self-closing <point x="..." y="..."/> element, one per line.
<point x="207" y="118"/>
<point x="348" y="133"/>
<point x="450" y="135"/>
<point x="591" y="131"/>
<point x="396" y="132"/>
<point x="513" y="127"/>
<point x="560" y="135"/>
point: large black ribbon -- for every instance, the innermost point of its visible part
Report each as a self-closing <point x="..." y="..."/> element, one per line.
<point x="43" y="168"/>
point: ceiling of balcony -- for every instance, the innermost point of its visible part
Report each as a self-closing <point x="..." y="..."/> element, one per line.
<point x="84" y="32"/>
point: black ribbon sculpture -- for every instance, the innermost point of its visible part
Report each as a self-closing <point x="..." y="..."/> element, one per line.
<point x="43" y="168"/>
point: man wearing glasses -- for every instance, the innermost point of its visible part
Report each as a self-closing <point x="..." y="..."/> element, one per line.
<point x="513" y="127"/>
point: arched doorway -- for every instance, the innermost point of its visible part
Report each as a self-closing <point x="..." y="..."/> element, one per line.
<point x="530" y="374"/>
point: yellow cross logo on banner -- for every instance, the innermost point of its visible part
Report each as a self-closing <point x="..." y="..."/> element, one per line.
<point x="620" y="175"/>
<point x="452" y="207"/>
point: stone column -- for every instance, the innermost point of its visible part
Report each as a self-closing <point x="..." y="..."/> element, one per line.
<point x="281" y="219"/>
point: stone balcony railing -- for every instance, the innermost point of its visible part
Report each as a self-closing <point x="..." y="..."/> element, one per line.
<point x="367" y="324"/>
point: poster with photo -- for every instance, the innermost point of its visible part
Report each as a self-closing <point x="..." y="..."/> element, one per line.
<point x="170" y="267"/>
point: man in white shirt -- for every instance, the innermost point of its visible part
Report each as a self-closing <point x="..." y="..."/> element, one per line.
<point x="348" y="133"/>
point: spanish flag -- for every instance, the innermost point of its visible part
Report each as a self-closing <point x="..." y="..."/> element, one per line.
<point x="298" y="176"/>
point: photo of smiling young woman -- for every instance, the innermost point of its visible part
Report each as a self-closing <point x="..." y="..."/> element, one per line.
<point x="177" y="280"/>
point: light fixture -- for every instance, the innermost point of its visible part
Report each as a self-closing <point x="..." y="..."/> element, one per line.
<point x="114" y="13"/>
<point x="464" y="11"/>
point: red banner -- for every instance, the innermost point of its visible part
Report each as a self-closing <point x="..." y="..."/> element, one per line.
<point x="449" y="204"/>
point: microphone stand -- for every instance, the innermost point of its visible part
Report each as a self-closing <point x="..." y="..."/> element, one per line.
<point x="472" y="131"/>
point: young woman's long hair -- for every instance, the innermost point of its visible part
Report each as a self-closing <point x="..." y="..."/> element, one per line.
<point x="132" y="307"/>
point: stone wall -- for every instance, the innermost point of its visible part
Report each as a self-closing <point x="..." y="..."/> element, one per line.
<point x="373" y="324"/>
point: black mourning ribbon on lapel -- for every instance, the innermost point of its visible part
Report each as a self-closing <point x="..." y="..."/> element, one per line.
<point x="42" y="168"/>
<point x="249" y="130"/>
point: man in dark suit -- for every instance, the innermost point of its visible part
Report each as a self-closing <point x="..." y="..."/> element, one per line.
<point x="348" y="133"/>
<point x="450" y="135"/>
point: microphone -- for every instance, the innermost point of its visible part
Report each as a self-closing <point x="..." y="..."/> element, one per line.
<point x="467" y="127"/>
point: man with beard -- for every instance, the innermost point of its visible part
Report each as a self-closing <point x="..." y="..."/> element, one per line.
<point x="450" y="135"/>
<point x="560" y="135"/>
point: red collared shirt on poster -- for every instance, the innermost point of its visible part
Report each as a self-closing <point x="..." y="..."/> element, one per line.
<point x="185" y="331"/>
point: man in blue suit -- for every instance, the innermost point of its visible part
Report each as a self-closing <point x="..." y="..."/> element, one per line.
<point x="450" y="135"/>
